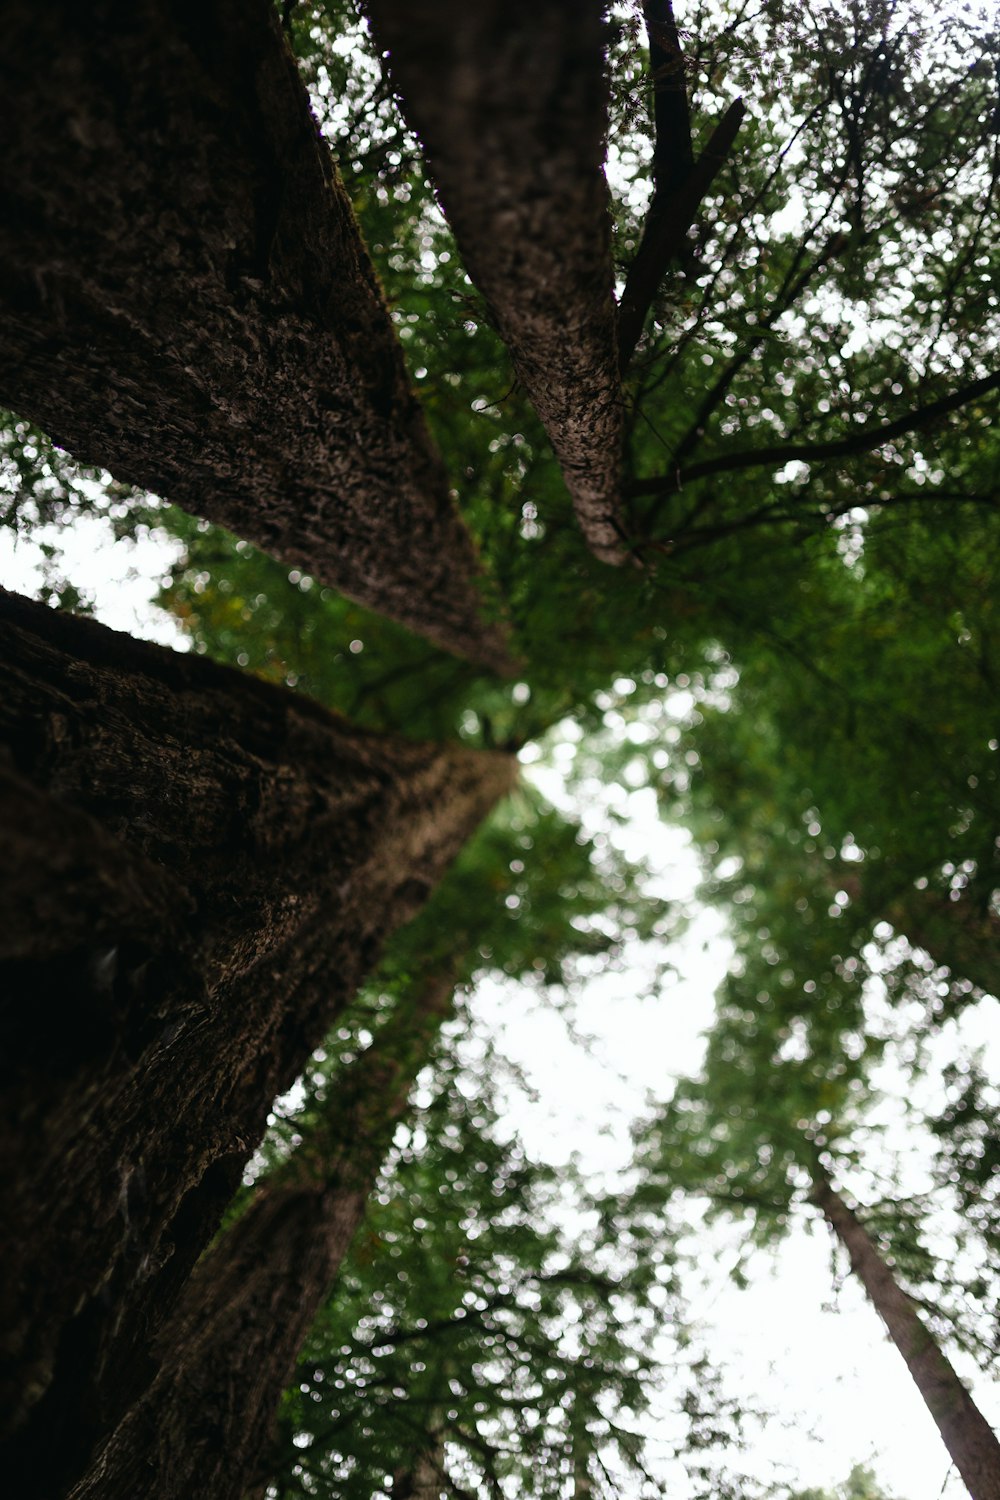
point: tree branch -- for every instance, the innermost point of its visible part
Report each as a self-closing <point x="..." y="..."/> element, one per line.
<point x="679" y="182"/>
<point x="863" y="441"/>
<point x="797" y="279"/>
<point x="690" y="538"/>
<point x="673" y="152"/>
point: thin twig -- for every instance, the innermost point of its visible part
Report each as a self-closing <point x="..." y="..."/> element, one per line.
<point x="863" y="441"/>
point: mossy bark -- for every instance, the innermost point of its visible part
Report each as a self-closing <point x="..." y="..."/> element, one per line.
<point x="185" y="300"/>
<point x="206" y="868"/>
<point x="509" y="100"/>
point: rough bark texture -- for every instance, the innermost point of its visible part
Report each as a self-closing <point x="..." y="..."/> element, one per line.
<point x="186" y="301"/>
<point x="231" y="859"/>
<point x="229" y="1350"/>
<point x="967" y="1435"/>
<point x="508" y="98"/>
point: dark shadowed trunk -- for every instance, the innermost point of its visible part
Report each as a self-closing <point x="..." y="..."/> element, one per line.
<point x="229" y="1350"/>
<point x="185" y="300"/>
<point x="509" y="100"/>
<point x="967" y="1435"/>
<point x="208" y="865"/>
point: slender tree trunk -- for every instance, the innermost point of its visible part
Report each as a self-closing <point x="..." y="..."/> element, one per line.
<point x="509" y="100"/>
<point x="228" y="1352"/>
<point x="426" y="1479"/>
<point x="185" y="300"/>
<point x="967" y="1435"/>
<point x="582" y="1487"/>
<point x="208" y="866"/>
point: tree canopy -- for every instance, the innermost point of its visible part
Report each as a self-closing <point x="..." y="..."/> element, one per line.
<point x="705" y="293"/>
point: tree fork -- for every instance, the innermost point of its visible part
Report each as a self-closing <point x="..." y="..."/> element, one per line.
<point x="968" y="1437"/>
<point x="242" y="854"/>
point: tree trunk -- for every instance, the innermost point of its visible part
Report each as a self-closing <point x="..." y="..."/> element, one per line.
<point x="208" y="867"/>
<point x="426" y="1478"/>
<point x="509" y="100"/>
<point x="967" y="1435"/>
<point x="229" y="1350"/>
<point x="185" y="300"/>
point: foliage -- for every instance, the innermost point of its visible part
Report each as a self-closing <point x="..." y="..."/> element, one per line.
<point x="802" y="661"/>
<point x="860" y="1484"/>
<point x="463" y="1326"/>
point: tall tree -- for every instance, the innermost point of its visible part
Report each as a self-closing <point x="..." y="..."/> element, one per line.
<point x="759" y="1137"/>
<point x="863" y="189"/>
<point x="782" y="1104"/>
<point x="233" y="859"/>
<point x="185" y="300"/>
<point x="226" y="1353"/>
<point x="967" y="1435"/>
<point x="509" y="104"/>
<point x="468" y="1333"/>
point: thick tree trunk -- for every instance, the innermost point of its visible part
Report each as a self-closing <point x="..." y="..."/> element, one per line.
<point x="967" y="1435"/>
<point x="207" y="867"/>
<point x="185" y="300"/>
<point x="229" y="1350"/>
<point x="508" y="98"/>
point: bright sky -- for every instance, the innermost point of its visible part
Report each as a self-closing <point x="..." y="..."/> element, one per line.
<point x="814" y="1354"/>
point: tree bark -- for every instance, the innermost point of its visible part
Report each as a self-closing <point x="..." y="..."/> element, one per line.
<point x="509" y="102"/>
<point x="967" y="1435"/>
<point x="229" y="1350"/>
<point x="185" y="300"/>
<point x="208" y="866"/>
